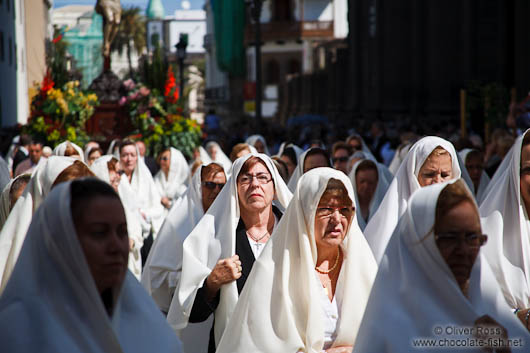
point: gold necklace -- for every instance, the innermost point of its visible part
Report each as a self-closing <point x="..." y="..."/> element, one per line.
<point x="325" y="272"/>
<point x="257" y="240"/>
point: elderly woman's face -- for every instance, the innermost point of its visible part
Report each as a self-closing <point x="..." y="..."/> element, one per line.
<point x="102" y="233"/>
<point x="128" y="158"/>
<point x="165" y="161"/>
<point x="255" y="188"/>
<point x="525" y="176"/>
<point x="260" y="147"/>
<point x="436" y="169"/>
<point x="332" y="220"/>
<point x="459" y="239"/>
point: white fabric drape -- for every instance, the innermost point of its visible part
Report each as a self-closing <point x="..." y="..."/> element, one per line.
<point x="174" y="185"/>
<point x="5" y="203"/>
<point x="508" y="228"/>
<point x="60" y="149"/>
<point x="415" y="292"/>
<point x="163" y="267"/>
<point x="52" y="304"/>
<point x="298" y="172"/>
<point x="14" y="231"/>
<point x="399" y="156"/>
<point x="211" y="240"/>
<point x="114" y="144"/>
<point x="220" y="157"/>
<point x="134" y="227"/>
<point x="5" y="176"/>
<point x="251" y="141"/>
<point x="382" y="186"/>
<point x="144" y="195"/>
<point x="280" y="308"/>
<point x="484" y="178"/>
<point x="380" y="228"/>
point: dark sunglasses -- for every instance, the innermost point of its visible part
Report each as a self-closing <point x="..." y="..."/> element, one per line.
<point x="340" y="159"/>
<point x="211" y="185"/>
<point x="164" y="159"/>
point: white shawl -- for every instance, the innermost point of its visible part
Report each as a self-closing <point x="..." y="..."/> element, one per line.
<point x="298" y="172"/>
<point x="508" y="247"/>
<point x="279" y="309"/>
<point x="251" y="141"/>
<point x="380" y="228"/>
<point x="175" y="185"/>
<point x="211" y="240"/>
<point x="134" y="227"/>
<point x="51" y="303"/>
<point x="144" y="196"/>
<point x="5" y="176"/>
<point x="380" y="192"/>
<point x="415" y="294"/>
<point x="14" y="231"/>
<point x="484" y="178"/>
<point x="60" y="149"/>
<point x="220" y="157"/>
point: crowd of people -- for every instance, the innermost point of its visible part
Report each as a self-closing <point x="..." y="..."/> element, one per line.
<point x="345" y="245"/>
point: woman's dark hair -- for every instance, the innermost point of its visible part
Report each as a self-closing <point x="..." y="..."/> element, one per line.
<point x="451" y="196"/>
<point x="127" y="143"/>
<point x="211" y="170"/>
<point x="291" y="154"/>
<point x="95" y="149"/>
<point x="316" y="151"/>
<point x="82" y="190"/>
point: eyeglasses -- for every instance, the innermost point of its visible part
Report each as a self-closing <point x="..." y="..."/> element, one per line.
<point x="263" y="178"/>
<point x="340" y="159"/>
<point x="328" y="211"/>
<point x="451" y="240"/>
<point x="211" y="185"/>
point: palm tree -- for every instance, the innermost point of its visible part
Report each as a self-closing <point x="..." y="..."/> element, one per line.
<point x="130" y="34"/>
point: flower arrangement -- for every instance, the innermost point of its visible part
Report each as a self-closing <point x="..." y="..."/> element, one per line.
<point x="59" y="114"/>
<point x="159" y="119"/>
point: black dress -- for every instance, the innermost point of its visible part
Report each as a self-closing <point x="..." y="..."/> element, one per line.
<point x="202" y="307"/>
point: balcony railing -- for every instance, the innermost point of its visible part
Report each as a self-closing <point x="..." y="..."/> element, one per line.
<point x="274" y="31"/>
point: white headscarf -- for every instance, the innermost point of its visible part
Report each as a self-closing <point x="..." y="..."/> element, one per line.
<point x="163" y="267"/>
<point x="52" y="304"/>
<point x="380" y="192"/>
<point x="175" y="184"/>
<point x="220" y="157"/>
<point x="134" y="227"/>
<point x="508" y="228"/>
<point x="484" y="178"/>
<point x="14" y="231"/>
<point x="5" y="176"/>
<point x="369" y="155"/>
<point x="60" y="149"/>
<point x="144" y="195"/>
<point x="5" y="203"/>
<point x="164" y="263"/>
<point x="399" y="156"/>
<point x="297" y="150"/>
<point x="88" y="150"/>
<point x="299" y="170"/>
<point x="380" y="228"/>
<point x="114" y="146"/>
<point x="280" y="305"/>
<point x="212" y="239"/>
<point x="415" y="293"/>
<point x="251" y="141"/>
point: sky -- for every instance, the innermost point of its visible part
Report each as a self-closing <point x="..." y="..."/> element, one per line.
<point x="169" y="5"/>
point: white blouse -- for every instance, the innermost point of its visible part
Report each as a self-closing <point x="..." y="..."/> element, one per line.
<point x="331" y="310"/>
<point x="257" y="248"/>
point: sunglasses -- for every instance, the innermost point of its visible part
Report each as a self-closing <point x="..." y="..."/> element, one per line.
<point x="211" y="185"/>
<point x="164" y="159"/>
<point x="340" y="159"/>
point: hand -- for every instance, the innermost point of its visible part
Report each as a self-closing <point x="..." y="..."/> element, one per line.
<point x="521" y="314"/>
<point x="341" y="349"/>
<point x="166" y="202"/>
<point x="225" y="271"/>
<point x="131" y="244"/>
<point x="497" y="331"/>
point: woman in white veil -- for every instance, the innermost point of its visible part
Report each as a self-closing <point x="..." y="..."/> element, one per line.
<point x="259" y="143"/>
<point x="171" y="180"/>
<point x="280" y="309"/>
<point x="211" y="246"/>
<point x="473" y="160"/>
<point x="435" y="290"/>
<point x="69" y="149"/>
<point x="430" y="157"/>
<point x="64" y="296"/>
<point x="48" y="173"/>
<point x="505" y="207"/>
<point x="312" y="158"/>
<point x="216" y="154"/>
<point x="107" y="169"/>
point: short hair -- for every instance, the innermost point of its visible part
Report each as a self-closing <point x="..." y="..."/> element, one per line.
<point x="19" y="183"/>
<point x="354" y="137"/>
<point x="316" y="151"/>
<point x="249" y="163"/>
<point x="77" y="170"/>
<point x="238" y="148"/>
<point x="526" y="140"/>
<point x="439" y="151"/>
<point x="24" y="140"/>
<point x="476" y="154"/>
<point x="82" y="190"/>
<point x="211" y="170"/>
<point x="282" y="167"/>
<point x="290" y="153"/>
<point x="70" y="150"/>
<point x="158" y="158"/>
<point x="336" y="189"/>
<point x="341" y="145"/>
<point x="126" y="142"/>
<point x="451" y="196"/>
<point x="366" y="165"/>
<point x="95" y="149"/>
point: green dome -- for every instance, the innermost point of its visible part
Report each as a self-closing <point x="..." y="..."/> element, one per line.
<point x="155" y="10"/>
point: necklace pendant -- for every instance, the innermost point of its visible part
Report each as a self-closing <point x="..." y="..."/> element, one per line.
<point x="326" y="291"/>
